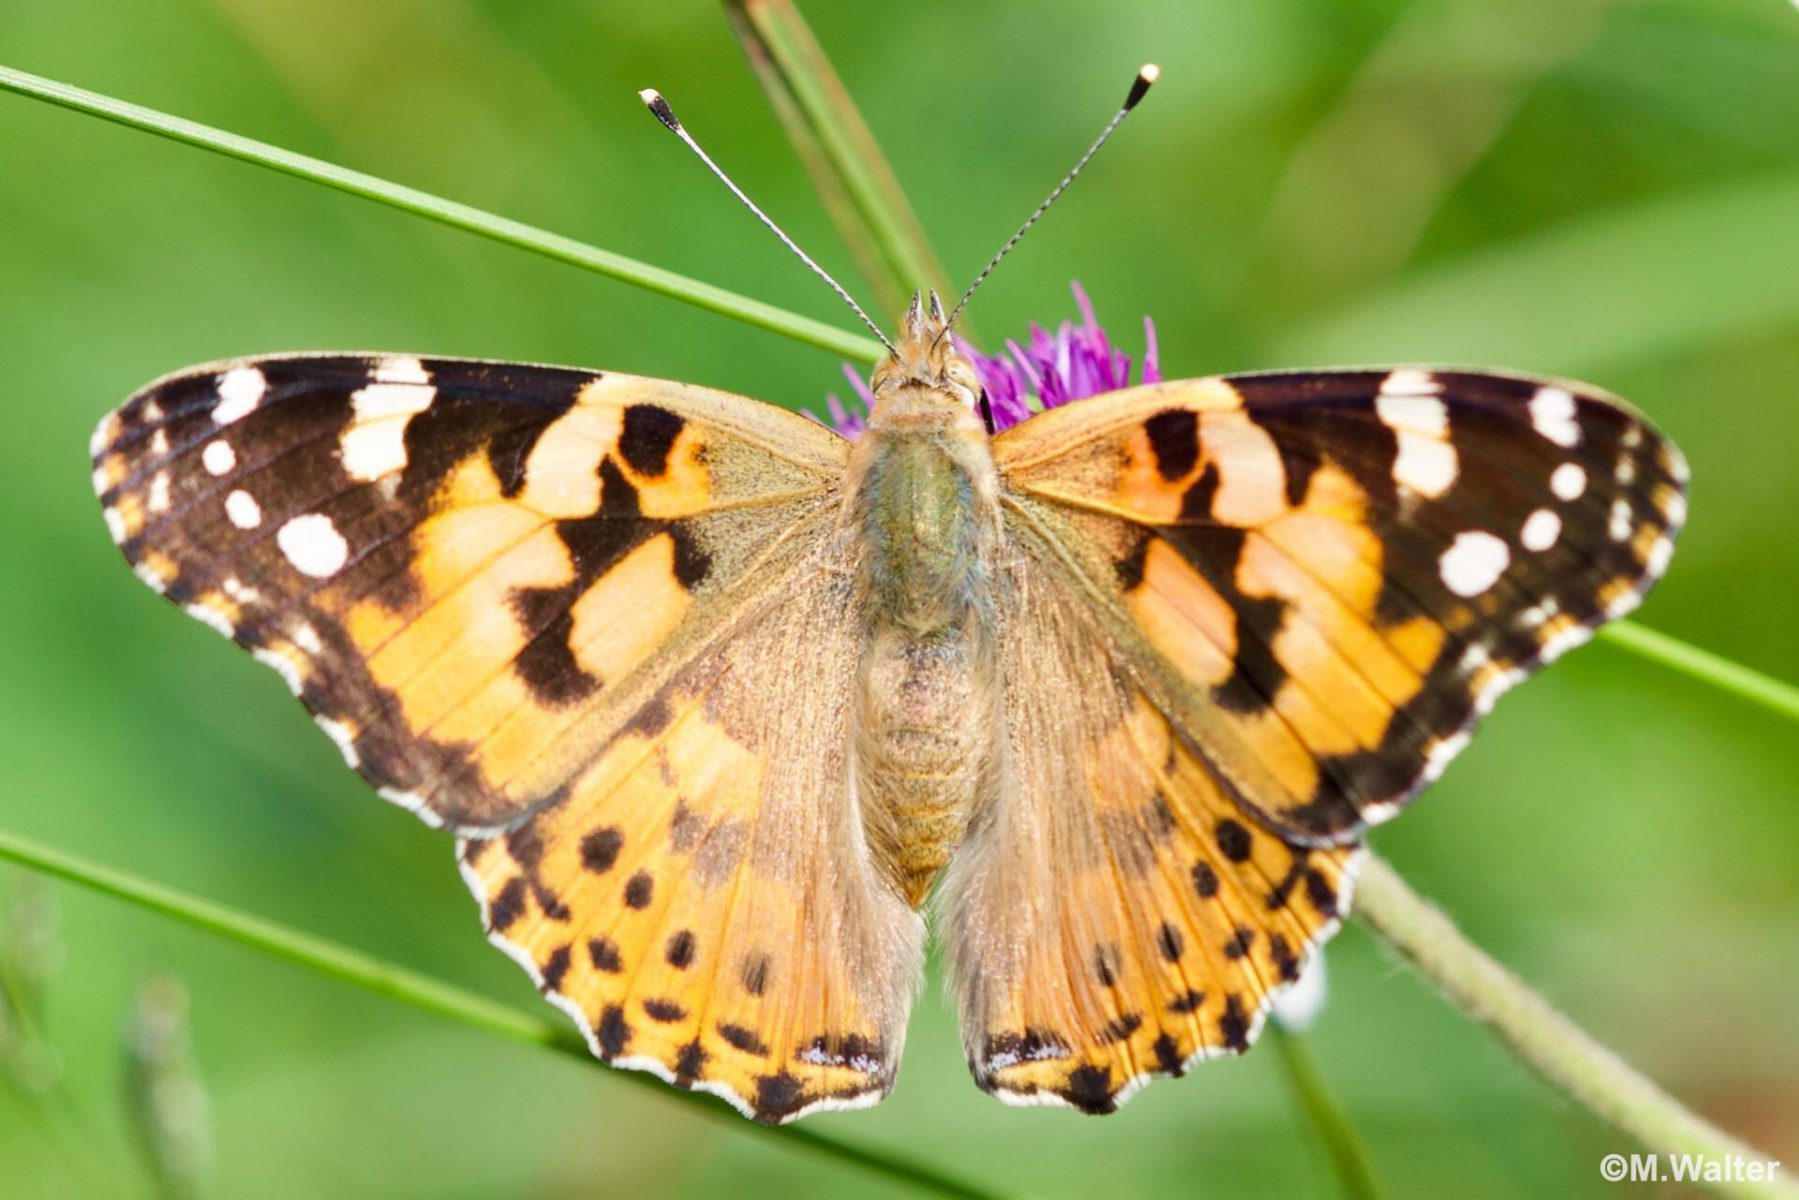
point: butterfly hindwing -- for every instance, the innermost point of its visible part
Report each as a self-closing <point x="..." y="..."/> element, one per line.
<point x="1113" y="917"/>
<point x="1327" y="577"/>
<point x="472" y="573"/>
<point x="700" y="899"/>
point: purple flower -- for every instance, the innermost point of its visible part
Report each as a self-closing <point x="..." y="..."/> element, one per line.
<point x="1074" y="362"/>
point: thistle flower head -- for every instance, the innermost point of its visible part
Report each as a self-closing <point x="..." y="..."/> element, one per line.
<point x="1047" y="369"/>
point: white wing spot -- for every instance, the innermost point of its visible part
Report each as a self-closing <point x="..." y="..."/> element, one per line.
<point x="1422" y="413"/>
<point x="105" y="433"/>
<point x="307" y="638"/>
<point x="1568" y="481"/>
<point x="1439" y="753"/>
<point x="313" y="545"/>
<point x="1659" y="554"/>
<point x="1552" y="414"/>
<point x="159" y="443"/>
<point x="346" y="741"/>
<point x="151" y="576"/>
<point x="1537" y="614"/>
<point x="1626" y="474"/>
<point x="1503" y="682"/>
<point x="1674" y="462"/>
<point x="374" y="443"/>
<point x="1407" y="403"/>
<point x="1560" y="643"/>
<point x="115" y="524"/>
<point x="239" y="591"/>
<point x="1473" y="563"/>
<point x="158" y="501"/>
<point x="1541" y="529"/>
<point x="240" y="390"/>
<point x="1411" y="382"/>
<point x="401" y="368"/>
<point x="1474" y="658"/>
<point x="218" y="458"/>
<point x="414" y="803"/>
<point x="1619" y="527"/>
<point x="1626" y="601"/>
<point x="242" y="509"/>
<point x="208" y="615"/>
<point x="282" y="666"/>
<point x="1675" y="509"/>
<point x="1426" y="463"/>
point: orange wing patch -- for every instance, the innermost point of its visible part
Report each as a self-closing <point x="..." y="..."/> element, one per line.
<point x="1329" y="577"/>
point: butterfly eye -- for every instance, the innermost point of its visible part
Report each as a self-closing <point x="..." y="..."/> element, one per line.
<point x="961" y="377"/>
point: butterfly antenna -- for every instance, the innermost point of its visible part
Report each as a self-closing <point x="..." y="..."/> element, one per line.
<point x="1139" y="87"/>
<point x="672" y="123"/>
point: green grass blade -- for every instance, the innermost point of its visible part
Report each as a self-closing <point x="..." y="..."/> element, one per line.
<point x="435" y="996"/>
<point x="1342" y="1144"/>
<point x="885" y="216"/>
<point x="889" y="290"/>
<point x="1773" y="694"/>
<point x="447" y="212"/>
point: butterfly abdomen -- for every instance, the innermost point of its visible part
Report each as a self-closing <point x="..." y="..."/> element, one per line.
<point x="922" y="508"/>
<point x="922" y="747"/>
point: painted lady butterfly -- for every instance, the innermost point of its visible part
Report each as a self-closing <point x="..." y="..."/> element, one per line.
<point x="715" y="699"/>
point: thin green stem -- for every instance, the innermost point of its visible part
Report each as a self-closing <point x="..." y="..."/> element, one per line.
<point x="871" y="263"/>
<point x="1561" y="1052"/>
<point x="435" y="996"/>
<point x="1773" y="694"/>
<point x="1348" y="1155"/>
<point x="886" y="216"/>
<point x="446" y="212"/>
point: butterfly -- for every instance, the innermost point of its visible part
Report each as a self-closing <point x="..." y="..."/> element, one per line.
<point x="718" y="703"/>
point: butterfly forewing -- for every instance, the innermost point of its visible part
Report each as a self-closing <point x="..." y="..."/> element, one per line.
<point x="472" y="573"/>
<point x="1329" y="576"/>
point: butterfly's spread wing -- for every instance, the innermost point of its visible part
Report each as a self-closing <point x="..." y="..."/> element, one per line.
<point x="597" y="620"/>
<point x="1326" y="578"/>
<point x="1242" y="619"/>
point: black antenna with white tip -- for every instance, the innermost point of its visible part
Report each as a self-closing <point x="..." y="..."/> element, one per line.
<point x="665" y="114"/>
<point x="1146" y="75"/>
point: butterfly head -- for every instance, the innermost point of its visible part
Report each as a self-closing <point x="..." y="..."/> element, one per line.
<point x="925" y="364"/>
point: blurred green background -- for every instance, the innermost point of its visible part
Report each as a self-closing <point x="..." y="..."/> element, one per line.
<point x="1598" y="189"/>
